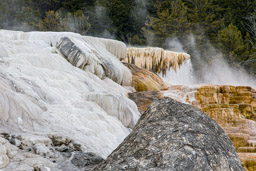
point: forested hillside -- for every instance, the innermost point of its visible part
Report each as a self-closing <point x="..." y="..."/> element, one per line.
<point x="204" y="27"/>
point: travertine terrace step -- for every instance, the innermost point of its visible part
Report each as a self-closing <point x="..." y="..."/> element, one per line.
<point x="248" y="160"/>
<point x="246" y="150"/>
<point x="238" y="134"/>
<point x="231" y="129"/>
<point x="252" y="138"/>
<point x="252" y="142"/>
<point x="248" y="131"/>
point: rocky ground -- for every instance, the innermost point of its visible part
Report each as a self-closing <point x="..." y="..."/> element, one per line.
<point x="37" y="153"/>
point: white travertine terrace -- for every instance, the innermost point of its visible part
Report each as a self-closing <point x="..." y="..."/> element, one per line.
<point x="155" y="59"/>
<point x="42" y="94"/>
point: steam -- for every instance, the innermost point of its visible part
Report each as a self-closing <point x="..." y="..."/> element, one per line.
<point x="14" y="16"/>
<point x="20" y="26"/>
<point x="139" y="14"/>
<point x="104" y="23"/>
<point x="217" y="71"/>
<point x="174" y="44"/>
<point x="141" y="9"/>
<point x="183" y="76"/>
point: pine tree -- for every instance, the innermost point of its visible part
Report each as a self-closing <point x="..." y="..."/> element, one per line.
<point x="51" y="22"/>
<point x="235" y="11"/>
<point x="119" y="12"/>
<point x="231" y="42"/>
<point x="101" y="23"/>
<point x="139" y="12"/>
<point x="77" y="22"/>
<point x="45" y="6"/>
<point x="171" y="20"/>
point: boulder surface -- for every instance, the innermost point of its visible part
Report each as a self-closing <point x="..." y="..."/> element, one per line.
<point x="174" y="136"/>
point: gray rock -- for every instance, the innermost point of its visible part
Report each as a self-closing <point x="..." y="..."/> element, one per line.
<point x="174" y="136"/>
<point x="93" y="58"/>
<point x="58" y="140"/>
<point x="79" y="58"/>
<point x="81" y="159"/>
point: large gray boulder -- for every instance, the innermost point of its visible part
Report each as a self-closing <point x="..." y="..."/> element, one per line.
<point x="174" y="136"/>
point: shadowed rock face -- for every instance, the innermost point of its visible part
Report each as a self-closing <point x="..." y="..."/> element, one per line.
<point x="174" y="136"/>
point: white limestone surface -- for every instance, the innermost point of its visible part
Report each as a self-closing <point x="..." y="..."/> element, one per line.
<point x="42" y="94"/>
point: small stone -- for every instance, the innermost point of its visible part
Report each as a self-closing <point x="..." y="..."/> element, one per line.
<point x="3" y="141"/>
<point x="15" y="142"/>
<point x="12" y="151"/>
<point x="77" y="147"/>
<point x="41" y="149"/>
<point x="63" y="148"/>
<point x="4" y="161"/>
<point x="58" y="140"/>
<point x="81" y="159"/>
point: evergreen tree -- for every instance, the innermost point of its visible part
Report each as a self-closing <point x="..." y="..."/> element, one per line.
<point x="139" y="12"/>
<point x="101" y="23"/>
<point x="75" y="5"/>
<point x="51" y="22"/>
<point x="171" y="20"/>
<point x="9" y="13"/>
<point x="235" y="11"/>
<point x="77" y="22"/>
<point x="119" y="12"/>
<point x="45" y="6"/>
<point x="29" y="17"/>
<point x="149" y="22"/>
<point x="231" y="42"/>
<point x="205" y="17"/>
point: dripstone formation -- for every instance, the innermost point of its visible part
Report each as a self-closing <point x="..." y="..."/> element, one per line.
<point x="174" y="136"/>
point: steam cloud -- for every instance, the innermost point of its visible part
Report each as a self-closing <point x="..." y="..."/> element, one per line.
<point x="141" y="9"/>
<point x="174" y="44"/>
<point x="104" y="22"/>
<point x="218" y="71"/>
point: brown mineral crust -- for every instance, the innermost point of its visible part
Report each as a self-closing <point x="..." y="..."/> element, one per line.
<point x="144" y="80"/>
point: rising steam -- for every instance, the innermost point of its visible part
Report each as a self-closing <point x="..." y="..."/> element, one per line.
<point x="217" y="71"/>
